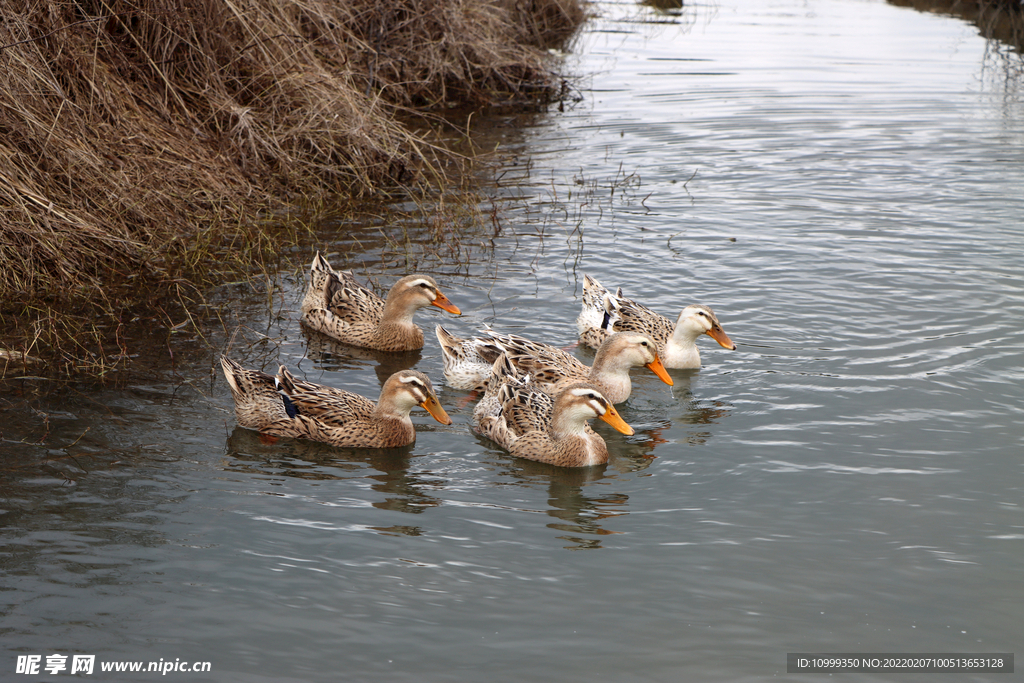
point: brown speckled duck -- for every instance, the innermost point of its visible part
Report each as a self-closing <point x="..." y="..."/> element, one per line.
<point x="339" y="307"/>
<point x="287" y="406"/>
<point x="468" y="362"/>
<point x="605" y="312"/>
<point x="530" y="424"/>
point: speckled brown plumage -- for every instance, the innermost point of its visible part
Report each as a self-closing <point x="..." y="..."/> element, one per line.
<point x="468" y="362"/>
<point x="520" y="417"/>
<point x="604" y="312"/>
<point x="339" y="307"/>
<point x="290" y="407"/>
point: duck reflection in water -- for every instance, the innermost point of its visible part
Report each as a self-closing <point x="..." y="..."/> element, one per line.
<point x="581" y="513"/>
<point x="330" y="354"/>
<point x="402" y="491"/>
<point x="692" y="411"/>
<point x="578" y="510"/>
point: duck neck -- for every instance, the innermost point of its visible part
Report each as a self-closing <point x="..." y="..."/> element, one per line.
<point x="397" y="312"/>
<point x="611" y="375"/>
<point x="390" y="409"/>
<point x="396" y="324"/>
<point x="681" y="349"/>
<point x="566" y="426"/>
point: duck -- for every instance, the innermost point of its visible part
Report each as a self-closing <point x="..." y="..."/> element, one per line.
<point x="605" y="312"/>
<point x="531" y="424"/>
<point x="284" y="405"/>
<point x="339" y="307"/>
<point x="468" y="362"/>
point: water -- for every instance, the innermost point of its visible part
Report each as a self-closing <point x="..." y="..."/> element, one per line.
<point x="840" y="180"/>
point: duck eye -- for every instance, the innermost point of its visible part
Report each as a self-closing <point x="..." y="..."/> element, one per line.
<point x="702" y="313"/>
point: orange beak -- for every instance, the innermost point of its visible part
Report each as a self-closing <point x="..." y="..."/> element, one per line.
<point x="442" y="302"/>
<point x="436" y="411"/>
<point x="719" y="335"/>
<point x="612" y="417"/>
<point x="658" y="369"/>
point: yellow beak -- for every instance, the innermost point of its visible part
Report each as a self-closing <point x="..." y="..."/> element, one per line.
<point x="612" y="417"/>
<point x="719" y="335"/>
<point x="436" y="411"/>
<point x="441" y="301"/>
<point x="658" y="369"/>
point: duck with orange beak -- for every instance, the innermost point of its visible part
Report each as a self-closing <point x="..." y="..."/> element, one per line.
<point x="339" y="307"/>
<point x="286" y="406"/>
<point x="468" y="362"/>
<point x="529" y="423"/>
<point x="605" y="312"/>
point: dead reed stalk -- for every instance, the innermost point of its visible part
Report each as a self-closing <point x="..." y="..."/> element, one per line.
<point x="129" y="127"/>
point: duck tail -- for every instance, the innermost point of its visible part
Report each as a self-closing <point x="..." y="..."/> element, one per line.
<point x="446" y="339"/>
<point x="320" y="264"/>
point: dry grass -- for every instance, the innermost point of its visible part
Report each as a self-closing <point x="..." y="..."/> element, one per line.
<point x="137" y="137"/>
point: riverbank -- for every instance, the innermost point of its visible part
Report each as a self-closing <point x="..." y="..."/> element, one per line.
<point x="144" y="145"/>
<point x="1000" y="21"/>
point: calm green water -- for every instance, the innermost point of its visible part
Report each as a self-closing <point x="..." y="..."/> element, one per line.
<point x="843" y="181"/>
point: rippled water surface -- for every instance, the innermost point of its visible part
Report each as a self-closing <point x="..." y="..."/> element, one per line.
<point x="840" y="180"/>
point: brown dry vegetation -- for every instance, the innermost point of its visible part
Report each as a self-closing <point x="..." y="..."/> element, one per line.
<point x="135" y="133"/>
